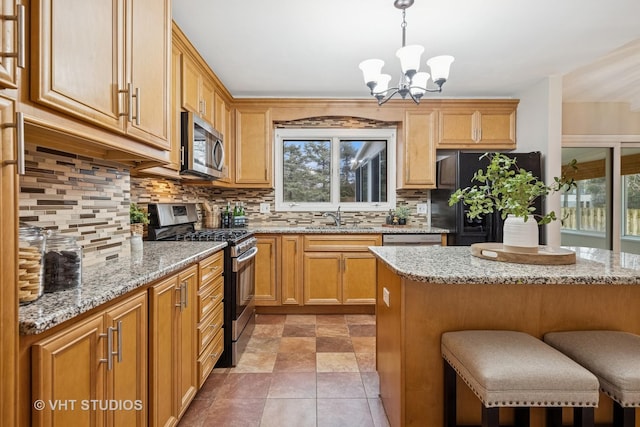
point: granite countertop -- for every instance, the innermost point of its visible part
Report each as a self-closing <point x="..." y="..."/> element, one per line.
<point x="345" y="229"/>
<point x="456" y="265"/>
<point x="103" y="282"/>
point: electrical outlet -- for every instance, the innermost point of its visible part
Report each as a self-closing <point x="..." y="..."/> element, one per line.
<point x="265" y="208"/>
<point x="422" y="208"/>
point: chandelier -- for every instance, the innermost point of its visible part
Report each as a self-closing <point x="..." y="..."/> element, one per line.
<point x="412" y="82"/>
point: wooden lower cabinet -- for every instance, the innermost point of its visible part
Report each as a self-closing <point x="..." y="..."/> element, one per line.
<point x="291" y="270"/>
<point x="173" y="347"/>
<point x="358" y="278"/>
<point x="210" y="317"/>
<point x="76" y="374"/>
<point x="267" y="263"/>
<point x="322" y="283"/>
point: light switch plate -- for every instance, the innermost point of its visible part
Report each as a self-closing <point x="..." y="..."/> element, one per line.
<point x="385" y="296"/>
<point x="265" y="208"/>
<point x="422" y="208"/>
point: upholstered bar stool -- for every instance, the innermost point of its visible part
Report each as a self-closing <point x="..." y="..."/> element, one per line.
<point x="514" y="369"/>
<point x="613" y="357"/>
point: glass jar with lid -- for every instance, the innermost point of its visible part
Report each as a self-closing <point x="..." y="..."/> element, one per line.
<point x="62" y="263"/>
<point x="30" y="266"/>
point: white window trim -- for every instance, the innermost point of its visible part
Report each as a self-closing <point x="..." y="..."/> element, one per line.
<point x="332" y="133"/>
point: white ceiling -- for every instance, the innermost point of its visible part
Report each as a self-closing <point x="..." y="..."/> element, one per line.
<point x="312" y="48"/>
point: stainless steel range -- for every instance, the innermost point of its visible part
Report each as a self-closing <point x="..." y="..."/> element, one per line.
<point x="176" y="222"/>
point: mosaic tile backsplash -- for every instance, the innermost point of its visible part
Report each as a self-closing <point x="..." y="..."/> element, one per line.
<point x="89" y="198"/>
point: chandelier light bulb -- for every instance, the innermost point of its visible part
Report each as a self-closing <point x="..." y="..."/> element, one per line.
<point x="440" y="66"/>
<point x="382" y="83"/>
<point x="371" y="69"/>
<point x="410" y="59"/>
<point x="419" y="83"/>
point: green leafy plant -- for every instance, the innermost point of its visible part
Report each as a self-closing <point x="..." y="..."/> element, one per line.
<point x="137" y="215"/>
<point x="506" y="188"/>
<point x="402" y="212"/>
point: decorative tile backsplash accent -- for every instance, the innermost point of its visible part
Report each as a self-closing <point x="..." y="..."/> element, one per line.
<point x="80" y="196"/>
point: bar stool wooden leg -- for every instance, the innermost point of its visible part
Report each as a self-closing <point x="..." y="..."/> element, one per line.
<point x="449" y="395"/>
<point x="623" y="417"/>
<point x="521" y="417"/>
<point x="583" y="417"/>
<point x="490" y="417"/>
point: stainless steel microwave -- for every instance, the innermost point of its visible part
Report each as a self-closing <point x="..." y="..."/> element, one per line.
<point x="202" y="151"/>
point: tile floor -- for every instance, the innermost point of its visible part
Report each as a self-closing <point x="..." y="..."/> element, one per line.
<point x="298" y="370"/>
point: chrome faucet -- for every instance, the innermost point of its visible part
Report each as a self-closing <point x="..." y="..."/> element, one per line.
<point x="337" y="218"/>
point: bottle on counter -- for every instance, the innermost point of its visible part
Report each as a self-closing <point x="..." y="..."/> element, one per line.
<point x="31" y="243"/>
<point x="226" y="217"/>
<point x="62" y="263"/>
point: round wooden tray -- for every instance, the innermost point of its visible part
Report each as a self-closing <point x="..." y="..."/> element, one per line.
<point x="546" y="255"/>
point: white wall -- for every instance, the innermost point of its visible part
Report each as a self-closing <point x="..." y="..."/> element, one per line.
<point x="539" y="128"/>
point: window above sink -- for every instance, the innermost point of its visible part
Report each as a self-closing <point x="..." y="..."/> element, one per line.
<point x="321" y="169"/>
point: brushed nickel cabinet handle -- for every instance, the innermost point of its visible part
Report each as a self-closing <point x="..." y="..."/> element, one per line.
<point x="19" y="161"/>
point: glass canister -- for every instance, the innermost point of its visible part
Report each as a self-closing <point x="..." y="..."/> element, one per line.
<point x="62" y="263"/>
<point x="31" y="243"/>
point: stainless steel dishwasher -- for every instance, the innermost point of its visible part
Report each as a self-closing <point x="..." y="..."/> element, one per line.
<point x="411" y="240"/>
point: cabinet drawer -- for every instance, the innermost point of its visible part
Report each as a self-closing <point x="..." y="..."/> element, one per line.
<point x="209" y="297"/>
<point x="341" y="243"/>
<point x="210" y="268"/>
<point x="209" y="357"/>
<point x="209" y="327"/>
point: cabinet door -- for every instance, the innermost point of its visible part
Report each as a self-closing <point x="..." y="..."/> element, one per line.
<point x="419" y="154"/>
<point x="148" y="68"/>
<point x="456" y="128"/>
<point x="67" y="368"/>
<point x="162" y="353"/>
<point x="176" y="110"/>
<point x="208" y="100"/>
<point x="266" y="271"/>
<point x="9" y="44"/>
<point x="190" y="85"/>
<point x="359" y="278"/>
<point x="187" y="338"/>
<point x="253" y="148"/>
<point x="291" y="270"/>
<point x="127" y="381"/>
<point x="222" y="124"/>
<point x="497" y="129"/>
<point x="322" y="278"/>
<point x="76" y="60"/>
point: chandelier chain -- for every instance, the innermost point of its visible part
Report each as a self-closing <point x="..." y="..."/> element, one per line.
<point x="404" y="28"/>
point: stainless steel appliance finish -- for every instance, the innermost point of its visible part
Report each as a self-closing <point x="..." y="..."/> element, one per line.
<point x="239" y="270"/>
<point x="202" y="151"/>
<point x="411" y="240"/>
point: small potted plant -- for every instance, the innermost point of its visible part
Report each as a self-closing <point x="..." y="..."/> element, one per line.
<point x="506" y="188"/>
<point x="402" y="212"/>
<point x="138" y="219"/>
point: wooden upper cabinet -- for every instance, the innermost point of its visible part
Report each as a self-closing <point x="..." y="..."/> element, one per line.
<point x="253" y="153"/>
<point x="11" y="41"/>
<point x="417" y="158"/>
<point x="198" y="90"/>
<point x="148" y="68"/>
<point x="111" y="67"/>
<point x="483" y="126"/>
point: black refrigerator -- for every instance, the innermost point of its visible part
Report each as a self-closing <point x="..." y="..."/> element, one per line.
<point x="455" y="171"/>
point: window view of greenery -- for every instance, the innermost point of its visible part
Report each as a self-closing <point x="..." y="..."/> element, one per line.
<point x="584" y="208"/>
<point x="307" y="166"/>
<point x="631" y="194"/>
<point x="307" y="171"/>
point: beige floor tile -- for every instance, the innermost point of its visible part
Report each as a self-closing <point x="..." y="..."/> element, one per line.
<point x="268" y="331"/>
<point x="263" y="345"/>
<point x="270" y="319"/>
<point x="235" y="413"/>
<point x="297" y="345"/>
<point x="299" y="330"/>
<point x="377" y="413"/>
<point x="361" y="319"/>
<point x="289" y="412"/>
<point x="336" y="362"/>
<point x="371" y="383"/>
<point x="245" y="386"/>
<point x="255" y="362"/>
<point x="332" y="330"/>
<point x="293" y="385"/>
<point x="364" y="344"/>
<point x="333" y="345"/>
<point x="340" y="385"/>
<point x="344" y="413"/>
<point x="366" y="362"/>
<point x="301" y="319"/>
<point x="362" y="330"/>
<point x="295" y="362"/>
<point x="331" y="319"/>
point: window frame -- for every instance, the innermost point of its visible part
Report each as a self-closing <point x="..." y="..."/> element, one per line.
<point x="335" y="135"/>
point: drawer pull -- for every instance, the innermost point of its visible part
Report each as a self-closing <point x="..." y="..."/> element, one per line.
<point x="213" y="325"/>
<point x="214" y="354"/>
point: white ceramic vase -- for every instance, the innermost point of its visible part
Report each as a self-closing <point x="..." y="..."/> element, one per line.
<point x="520" y="235"/>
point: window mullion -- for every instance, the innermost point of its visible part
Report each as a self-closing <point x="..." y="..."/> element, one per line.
<point x="335" y="171"/>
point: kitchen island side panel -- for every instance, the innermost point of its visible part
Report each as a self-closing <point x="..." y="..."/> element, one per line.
<point x="428" y="310"/>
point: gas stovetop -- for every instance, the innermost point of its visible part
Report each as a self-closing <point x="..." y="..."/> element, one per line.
<point x="212" y="235"/>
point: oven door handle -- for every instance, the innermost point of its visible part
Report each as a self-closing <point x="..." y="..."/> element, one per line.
<point x="251" y="253"/>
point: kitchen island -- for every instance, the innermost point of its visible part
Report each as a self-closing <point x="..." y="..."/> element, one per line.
<point x="425" y="291"/>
